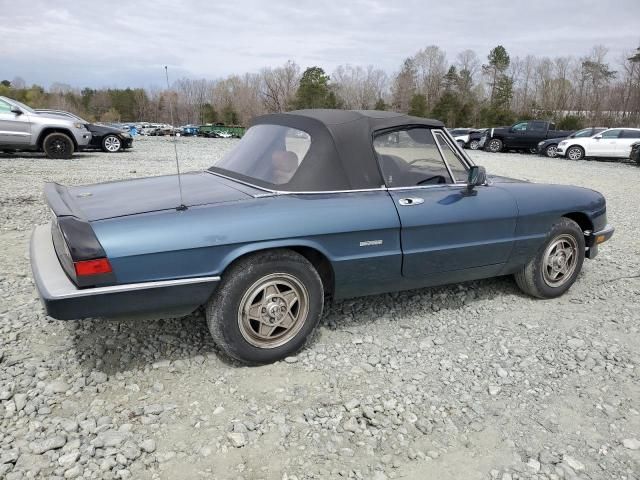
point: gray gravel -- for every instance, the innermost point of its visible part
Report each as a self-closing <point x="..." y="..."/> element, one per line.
<point x="470" y="381"/>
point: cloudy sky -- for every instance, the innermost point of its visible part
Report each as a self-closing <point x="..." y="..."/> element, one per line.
<point x="125" y="43"/>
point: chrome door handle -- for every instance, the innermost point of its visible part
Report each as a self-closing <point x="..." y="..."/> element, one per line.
<point x="407" y="202"/>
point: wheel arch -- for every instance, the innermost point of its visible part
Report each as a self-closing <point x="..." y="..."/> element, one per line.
<point x="581" y="218"/>
<point x="48" y="130"/>
<point x="314" y="253"/>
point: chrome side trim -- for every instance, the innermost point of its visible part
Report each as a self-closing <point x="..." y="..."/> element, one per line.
<point x="288" y="192"/>
<point x="132" y="287"/>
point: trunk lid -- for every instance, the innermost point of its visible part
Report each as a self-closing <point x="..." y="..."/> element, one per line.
<point x="141" y="195"/>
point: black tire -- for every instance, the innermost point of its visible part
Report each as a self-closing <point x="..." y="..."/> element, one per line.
<point x="111" y="144"/>
<point x="58" y="146"/>
<point x="474" y="144"/>
<point x="551" y="151"/>
<point x="461" y="144"/>
<point x="495" y="145"/>
<point x="231" y="328"/>
<point x="575" y="152"/>
<point x="533" y="280"/>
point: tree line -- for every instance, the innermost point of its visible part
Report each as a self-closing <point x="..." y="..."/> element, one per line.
<point x="465" y="91"/>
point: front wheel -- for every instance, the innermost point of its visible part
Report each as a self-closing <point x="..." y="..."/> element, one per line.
<point x="551" y="151"/>
<point x="575" y="153"/>
<point x="265" y="307"/>
<point x="111" y="144"/>
<point x="557" y="264"/>
<point x="58" y="146"/>
<point x="495" y="145"/>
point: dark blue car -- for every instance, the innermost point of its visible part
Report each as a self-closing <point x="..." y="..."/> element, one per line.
<point x="310" y="205"/>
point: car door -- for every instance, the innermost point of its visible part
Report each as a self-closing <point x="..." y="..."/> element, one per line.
<point x="535" y="132"/>
<point x="517" y="135"/>
<point x="603" y="144"/>
<point x="15" y="128"/>
<point x="443" y="227"/>
<point x="623" y="145"/>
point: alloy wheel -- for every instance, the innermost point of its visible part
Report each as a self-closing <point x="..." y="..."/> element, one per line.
<point x="552" y="151"/>
<point x="112" y="144"/>
<point x="560" y="260"/>
<point x="273" y="310"/>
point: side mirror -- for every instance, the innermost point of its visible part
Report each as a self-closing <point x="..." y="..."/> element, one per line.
<point x="477" y="176"/>
<point x="16" y="110"/>
<point x="598" y="137"/>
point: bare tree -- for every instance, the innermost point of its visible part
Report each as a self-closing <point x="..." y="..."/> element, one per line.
<point x="431" y="66"/>
<point x="279" y="86"/>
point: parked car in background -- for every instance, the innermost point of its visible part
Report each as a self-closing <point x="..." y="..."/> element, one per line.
<point x="189" y="130"/>
<point x="24" y="129"/>
<point x="106" y="138"/>
<point x="474" y="138"/>
<point x="549" y="147"/>
<point x="634" y="156"/>
<point x="520" y="136"/>
<point x="461" y="135"/>
<point x="308" y="205"/>
<point x="611" y="143"/>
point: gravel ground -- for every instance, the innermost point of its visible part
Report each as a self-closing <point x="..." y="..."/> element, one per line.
<point x="470" y="381"/>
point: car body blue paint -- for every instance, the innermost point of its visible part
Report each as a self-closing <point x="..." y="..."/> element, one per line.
<point x="204" y="240"/>
<point x="455" y="229"/>
<point x="488" y="232"/>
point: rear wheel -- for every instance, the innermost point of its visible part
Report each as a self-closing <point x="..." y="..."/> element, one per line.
<point x="495" y="145"/>
<point x="556" y="266"/>
<point x="111" y="144"/>
<point x="265" y="307"/>
<point x="58" y="146"/>
<point x="474" y="144"/>
<point x="551" y="151"/>
<point x="575" y="153"/>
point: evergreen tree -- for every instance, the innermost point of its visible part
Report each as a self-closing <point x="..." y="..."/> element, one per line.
<point x="418" y="105"/>
<point x="498" y="63"/>
<point x="380" y="105"/>
<point x="314" y="90"/>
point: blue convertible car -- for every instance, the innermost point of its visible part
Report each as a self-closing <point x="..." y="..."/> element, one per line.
<point x="309" y="205"/>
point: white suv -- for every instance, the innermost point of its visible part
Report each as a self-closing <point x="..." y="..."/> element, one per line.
<point x="612" y="143"/>
<point x="22" y="128"/>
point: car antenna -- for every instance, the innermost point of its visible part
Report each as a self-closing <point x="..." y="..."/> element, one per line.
<point x="182" y="206"/>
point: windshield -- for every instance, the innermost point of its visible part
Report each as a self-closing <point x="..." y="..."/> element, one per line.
<point x="585" y="132"/>
<point x="267" y="153"/>
<point x="24" y="107"/>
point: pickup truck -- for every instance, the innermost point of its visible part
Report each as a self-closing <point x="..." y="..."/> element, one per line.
<point x="521" y="136"/>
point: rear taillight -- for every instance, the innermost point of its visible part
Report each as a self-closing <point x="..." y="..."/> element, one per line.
<point x="92" y="267"/>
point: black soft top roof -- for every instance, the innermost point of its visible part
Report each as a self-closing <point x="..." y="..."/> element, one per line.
<point x="341" y="155"/>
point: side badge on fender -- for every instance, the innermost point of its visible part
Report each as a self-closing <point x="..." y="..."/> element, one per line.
<point x="370" y="243"/>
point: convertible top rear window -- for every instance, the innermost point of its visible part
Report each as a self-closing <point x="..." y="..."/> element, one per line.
<point x="268" y="153"/>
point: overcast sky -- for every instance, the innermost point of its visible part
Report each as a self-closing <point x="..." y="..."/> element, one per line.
<point x="125" y="43"/>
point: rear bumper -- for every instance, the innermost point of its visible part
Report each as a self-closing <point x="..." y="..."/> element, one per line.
<point x="593" y="239"/>
<point x="64" y="301"/>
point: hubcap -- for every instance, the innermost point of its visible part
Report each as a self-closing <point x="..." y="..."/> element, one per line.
<point x="273" y="310"/>
<point x="473" y="145"/>
<point x="112" y="144"/>
<point x="575" y="154"/>
<point x="494" y="145"/>
<point x="560" y="260"/>
<point x="552" y="151"/>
